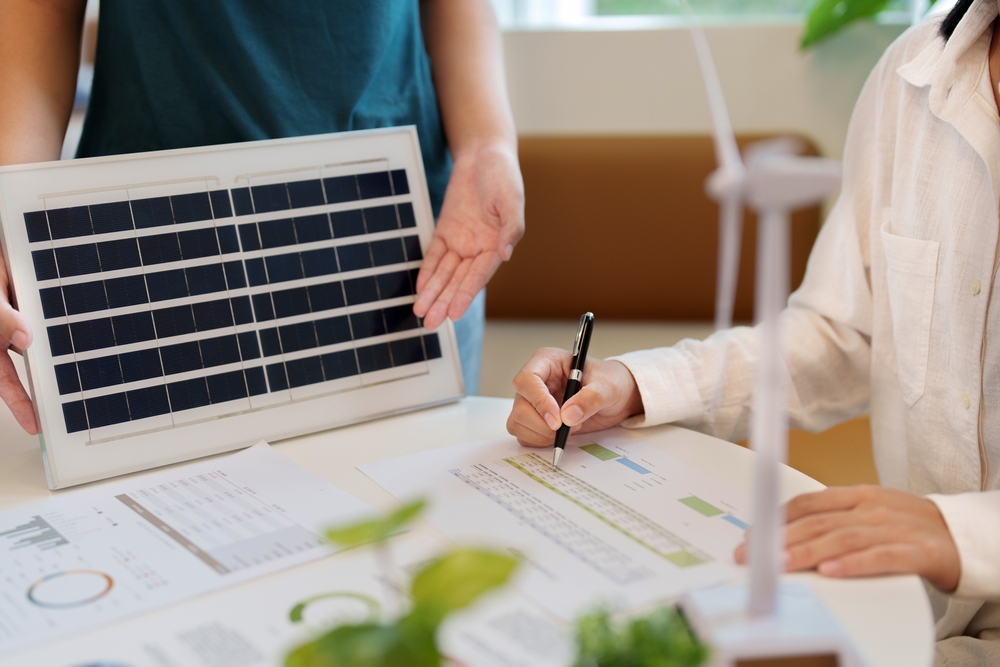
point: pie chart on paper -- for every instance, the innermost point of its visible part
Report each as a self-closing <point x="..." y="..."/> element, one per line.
<point x="69" y="589"/>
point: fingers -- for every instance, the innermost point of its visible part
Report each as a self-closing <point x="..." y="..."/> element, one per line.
<point x="510" y="233"/>
<point x="435" y="284"/>
<point x="439" y="310"/>
<point x="525" y="424"/>
<point x="809" y="554"/>
<point x="14" y="326"/>
<point x="14" y="396"/>
<point x="536" y="381"/>
<point x="899" y="558"/>
<point x="435" y="252"/>
<point x="482" y="269"/>
<point x="836" y="498"/>
<point x="587" y="403"/>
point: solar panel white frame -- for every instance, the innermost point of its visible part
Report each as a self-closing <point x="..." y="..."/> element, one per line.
<point x="375" y="159"/>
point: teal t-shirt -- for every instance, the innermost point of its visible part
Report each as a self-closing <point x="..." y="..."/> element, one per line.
<point x="179" y="73"/>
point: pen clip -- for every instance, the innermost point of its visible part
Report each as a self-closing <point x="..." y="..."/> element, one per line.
<point x="579" y="335"/>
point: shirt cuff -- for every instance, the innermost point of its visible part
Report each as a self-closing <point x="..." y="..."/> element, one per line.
<point x="974" y="522"/>
<point x="668" y="388"/>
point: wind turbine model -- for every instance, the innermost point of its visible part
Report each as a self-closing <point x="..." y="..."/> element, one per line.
<point x="769" y="619"/>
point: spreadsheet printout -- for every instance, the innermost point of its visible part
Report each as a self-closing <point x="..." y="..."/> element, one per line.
<point x="194" y="301"/>
<point x="97" y="555"/>
<point x="619" y="522"/>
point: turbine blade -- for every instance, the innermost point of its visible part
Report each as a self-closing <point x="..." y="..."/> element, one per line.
<point x="730" y="237"/>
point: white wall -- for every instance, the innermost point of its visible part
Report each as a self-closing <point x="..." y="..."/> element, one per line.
<point x="633" y="80"/>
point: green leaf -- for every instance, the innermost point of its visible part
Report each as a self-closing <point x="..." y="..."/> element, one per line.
<point x="661" y="639"/>
<point x="369" y="645"/>
<point x="828" y="16"/>
<point x="375" y="530"/>
<point x="456" y="580"/>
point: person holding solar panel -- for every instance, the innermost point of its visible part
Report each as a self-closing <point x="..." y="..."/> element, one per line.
<point x="898" y="314"/>
<point x="173" y="74"/>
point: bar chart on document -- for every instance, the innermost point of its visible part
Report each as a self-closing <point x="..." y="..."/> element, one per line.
<point x="95" y="556"/>
<point x="618" y="522"/>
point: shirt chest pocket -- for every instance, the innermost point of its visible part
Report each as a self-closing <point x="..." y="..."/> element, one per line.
<point x="911" y="271"/>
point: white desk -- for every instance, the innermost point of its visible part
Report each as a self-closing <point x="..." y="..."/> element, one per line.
<point x="889" y="617"/>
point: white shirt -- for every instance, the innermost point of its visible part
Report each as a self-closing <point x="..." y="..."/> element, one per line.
<point x="892" y="314"/>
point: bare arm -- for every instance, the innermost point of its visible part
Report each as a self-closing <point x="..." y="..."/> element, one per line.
<point x="482" y="218"/>
<point x="39" y="59"/>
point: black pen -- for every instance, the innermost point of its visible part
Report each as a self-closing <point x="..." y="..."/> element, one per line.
<point x="580" y="346"/>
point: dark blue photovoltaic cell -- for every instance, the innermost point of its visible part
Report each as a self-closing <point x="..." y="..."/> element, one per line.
<point x="219" y="351"/>
<point x="270" y="345"/>
<point x="67" y="378"/>
<point x="367" y="324"/>
<point x="227" y="387"/>
<point x="153" y="212"/>
<point x="148" y="402"/>
<point x="191" y="207"/>
<point x="347" y="223"/>
<point x="303" y="372"/>
<point x="220" y="204"/>
<point x="332" y="330"/>
<point x="52" y="302"/>
<point x="400" y="186"/>
<point x="361" y="290"/>
<point x="75" y="415"/>
<point x="198" y="243"/>
<point x="263" y="309"/>
<point x="228" y="243"/>
<point x="374" y="185"/>
<point x="205" y="279"/>
<point x="249" y="238"/>
<point x="433" y="346"/>
<point x="394" y="285"/>
<point x="37" y="226"/>
<point x="295" y="337"/>
<point x="277" y="233"/>
<point x="45" y="264"/>
<point x="141" y="365"/>
<point x="406" y="215"/>
<point x="373" y="358"/>
<point x="159" y="249"/>
<point x="242" y="313"/>
<point x="167" y="285"/>
<point x="320" y="262"/>
<point x="100" y="372"/>
<point x="340" y="189"/>
<point x="249" y="349"/>
<point x="235" y="278"/>
<point x="113" y="217"/>
<point x="256" y="384"/>
<point x="400" y="318"/>
<point x="188" y="394"/>
<point x="107" y="410"/>
<point x="339" y="364"/>
<point x="354" y="257"/>
<point x="60" y="342"/>
<point x="267" y="198"/>
<point x="65" y="223"/>
<point x="412" y="246"/>
<point x="241" y="201"/>
<point x="78" y="260"/>
<point x="312" y="228"/>
<point x="128" y="291"/>
<point x="116" y="255"/>
<point x="381" y="219"/>
<point x="210" y="315"/>
<point x="256" y="275"/>
<point x="175" y="321"/>
<point x="282" y="268"/>
<point x="305" y="193"/>
<point x="276" y="377"/>
<point x="92" y="335"/>
<point x="325" y="297"/>
<point x="85" y="298"/>
<point x="291" y="302"/>
<point x="388" y="251"/>
<point x="133" y="328"/>
<point x="180" y="358"/>
<point x="406" y="351"/>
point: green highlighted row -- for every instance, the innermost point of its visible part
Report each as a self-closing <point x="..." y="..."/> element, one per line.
<point x="603" y="453"/>
<point x="700" y="506"/>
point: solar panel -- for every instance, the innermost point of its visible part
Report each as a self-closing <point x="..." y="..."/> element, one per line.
<point x="195" y="301"/>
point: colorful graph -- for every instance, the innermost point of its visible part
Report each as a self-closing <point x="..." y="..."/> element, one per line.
<point x="69" y="589"/>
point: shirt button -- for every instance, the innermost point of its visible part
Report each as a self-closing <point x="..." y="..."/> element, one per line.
<point x="975" y="286"/>
<point x="966" y="400"/>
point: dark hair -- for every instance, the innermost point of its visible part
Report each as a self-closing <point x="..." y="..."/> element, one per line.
<point x="953" y="18"/>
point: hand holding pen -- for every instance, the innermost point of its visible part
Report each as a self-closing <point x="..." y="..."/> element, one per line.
<point x="580" y="346"/>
